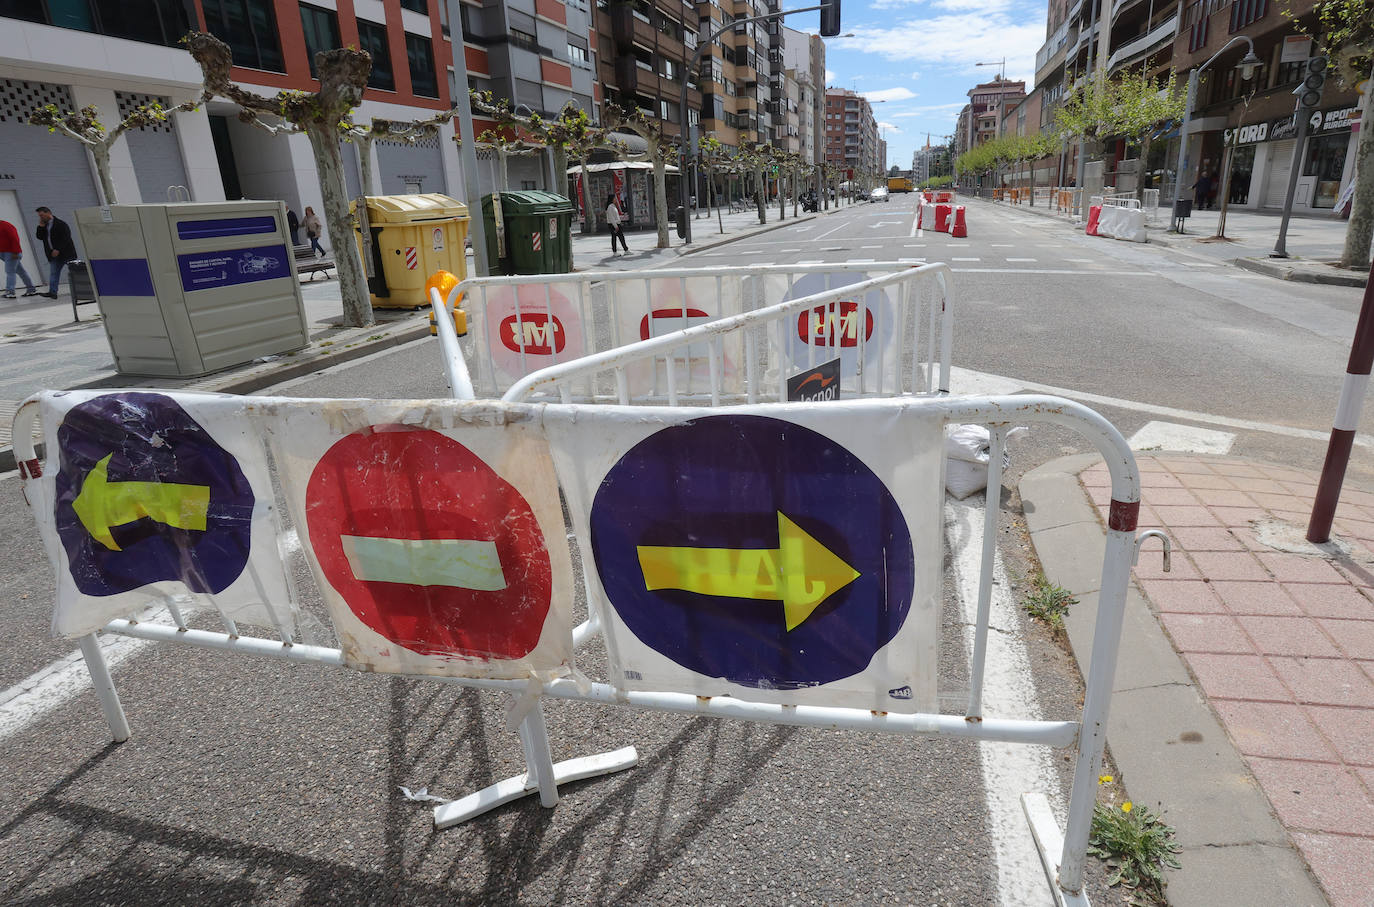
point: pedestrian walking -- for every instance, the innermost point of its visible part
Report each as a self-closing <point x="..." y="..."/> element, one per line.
<point x="293" y="226"/>
<point x="1202" y="190"/>
<point x="312" y="225"/>
<point x="613" y="221"/>
<point x="12" y="254"/>
<point x="58" y="246"/>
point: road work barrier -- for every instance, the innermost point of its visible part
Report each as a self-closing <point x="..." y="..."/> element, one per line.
<point x="1120" y="222"/>
<point x="1094" y="216"/>
<point x="890" y="325"/>
<point x="825" y="518"/>
<point x="958" y="227"/>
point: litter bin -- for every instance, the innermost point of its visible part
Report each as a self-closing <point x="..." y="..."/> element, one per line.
<point x="412" y="237"/>
<point x="538" y="233"/>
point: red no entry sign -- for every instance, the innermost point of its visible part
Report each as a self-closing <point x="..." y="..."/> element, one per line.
<point x="428" y="545"/>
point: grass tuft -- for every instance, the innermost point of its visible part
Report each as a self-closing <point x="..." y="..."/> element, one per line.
<point x="1049" y="603"/>
<point x="1137" y="847"/>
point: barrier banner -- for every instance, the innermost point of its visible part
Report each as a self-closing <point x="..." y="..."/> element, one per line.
<point x="788" y="553"/>
<point x="523" y="328"/>
<point x="658" y="306"/>
<point x="154" y="499"/>
<point x="840" y="329"/>
<point x="435" y="534"/>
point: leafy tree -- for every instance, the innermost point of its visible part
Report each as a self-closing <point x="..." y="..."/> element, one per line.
<point x="84" y="126"/>
<point x="1136" y="108"/>
<point x="712" y="158"/>
<point x="1344" y="31"/>
<point x="324" y="118"/>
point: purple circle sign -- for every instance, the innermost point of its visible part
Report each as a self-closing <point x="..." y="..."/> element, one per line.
<point x="754" y="550"/>
<point x="144" y="494"/>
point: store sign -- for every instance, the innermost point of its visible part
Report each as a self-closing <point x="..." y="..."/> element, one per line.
<point x="1283" y="128"/>
<point x="1337" y="119"/>
<point x="1296" y="49"/>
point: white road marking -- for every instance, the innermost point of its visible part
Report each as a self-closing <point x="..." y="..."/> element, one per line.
<point x="860" y="261"/>
<point x="1003" y="245"/>
<point x="1082" y="261"/>
<point x="813" y="262"/>
<point x="1052" y="271"/>
<point x="1009" y="769"/>
<point x="913" y="245"/>
<point x="1002" y="384"/>
<point x="966" y="259"/>
<point x="1021" y="259"/>
<point x="1189" y="438"/>
<point x="870" y="247"/>
<point x="820" y="236"/>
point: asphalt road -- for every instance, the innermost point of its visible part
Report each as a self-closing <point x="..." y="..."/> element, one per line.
<point x="256" y="782"/>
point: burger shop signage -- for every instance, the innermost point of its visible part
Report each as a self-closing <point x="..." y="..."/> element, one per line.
<point x="1336" y="119"/>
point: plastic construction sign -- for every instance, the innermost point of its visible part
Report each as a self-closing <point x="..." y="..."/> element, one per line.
<point x="753" y="550"/>
<point x="843" y="328"/>
<point x="145" y="494"/>
<point x="529" y="327"/>
<point x="428" y="546"/>
<point x="815" y="384"/>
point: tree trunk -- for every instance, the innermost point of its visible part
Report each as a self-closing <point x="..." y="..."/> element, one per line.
<point x="560" y="172"/>
<point x="101" y="154"/>
<point x="587" y="198"/>
<point x="504" y="183"/>
<point x="1141" y="169"/>
<point x="796" y="196"/>
<point x="364" y="146"/>
<point x="720" y="218"/>
<point x="661" y="193"/>
<point x="759" y="200"/>
<point x="357" y="305"/>
<point x="1360" y="231"/>
<point x="782" y="196"/>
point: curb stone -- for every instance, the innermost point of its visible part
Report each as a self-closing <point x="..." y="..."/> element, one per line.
<point x="1303" y="271"/>
<point x="1164" y="739"/>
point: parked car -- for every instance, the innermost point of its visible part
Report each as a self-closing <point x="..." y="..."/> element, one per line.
<point x="880" y="195"/>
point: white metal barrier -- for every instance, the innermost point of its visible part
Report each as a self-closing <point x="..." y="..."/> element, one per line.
<point x="1063" y="853"/>
<point x="890" y="324"/>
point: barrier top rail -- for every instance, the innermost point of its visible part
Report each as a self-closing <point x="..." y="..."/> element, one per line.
<point x="521" y="324"/>
<point x="597" y="457"/>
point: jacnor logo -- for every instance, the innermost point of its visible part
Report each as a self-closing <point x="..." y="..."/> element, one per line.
<point x="536" y="333"/>
<point x="675" y="319"/>
<point x="836" y="324"/>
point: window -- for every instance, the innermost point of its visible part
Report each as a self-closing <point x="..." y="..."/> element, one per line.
<point x="321" y="27"/>
<point x="524" y="39"/>
<point x="578" y="53"/>
<point x="249" y="27"/>
<point x="670" y="69"/>
<point x="372" y="38"/>
<point x="416" y="6"/>
<point x="1244" y="12"/>
<point x="420" y="55"/>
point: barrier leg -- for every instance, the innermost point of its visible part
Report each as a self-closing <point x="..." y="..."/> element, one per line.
<point x="542" y="774"/>
<point x="104" y="688"/>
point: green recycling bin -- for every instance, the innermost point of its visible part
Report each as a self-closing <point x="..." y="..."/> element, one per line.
<point x="537" y="229"/>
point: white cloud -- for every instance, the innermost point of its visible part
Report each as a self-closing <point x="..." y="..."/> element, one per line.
<point x="829" y="76"/>
<point x="944" y="40"/>
<point x="893" y="127"/>
<point x="889" y="94"/>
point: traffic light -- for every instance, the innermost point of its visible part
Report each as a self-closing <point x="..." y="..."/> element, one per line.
<point x="1309" y="92"/>
<point x="830" y="18"/>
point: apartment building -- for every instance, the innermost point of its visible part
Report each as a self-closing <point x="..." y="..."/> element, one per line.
<point x="851" y="132"/>
<point x="804" y="57"/>
<point x="644" y="48"/>
<point x="734" y="75"/>
<point x="74" y="53"/>
<point x="989" y="104"/>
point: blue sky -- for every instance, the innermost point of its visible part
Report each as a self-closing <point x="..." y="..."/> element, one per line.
<point x="917" y="57"/>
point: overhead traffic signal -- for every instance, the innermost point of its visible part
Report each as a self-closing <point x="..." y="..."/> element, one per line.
<point x="830" y="18"/>
<point x="1309" y="92"/>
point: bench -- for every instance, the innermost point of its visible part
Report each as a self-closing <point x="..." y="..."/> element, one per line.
<point x="308" y="263"/>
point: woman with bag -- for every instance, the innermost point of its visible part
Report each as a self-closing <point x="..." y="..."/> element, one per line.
<point x="613" y="222"/>
<point x="312" y="226"/>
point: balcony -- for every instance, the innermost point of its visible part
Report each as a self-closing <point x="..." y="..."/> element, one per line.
<point x="1154" y="39"/>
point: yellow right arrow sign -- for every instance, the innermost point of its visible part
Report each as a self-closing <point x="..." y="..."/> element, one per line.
<point x="801" y="572"/>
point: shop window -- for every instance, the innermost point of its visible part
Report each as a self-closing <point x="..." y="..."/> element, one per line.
<point x="420" y="55"/>
<point x="372" y="38"/>
<point x="1326" y="160"/>
<point x="249" y="27"/>
<point x="321" y="27"/>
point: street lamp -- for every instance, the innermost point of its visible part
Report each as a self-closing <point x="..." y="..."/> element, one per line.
<point x="1246" y="67"/>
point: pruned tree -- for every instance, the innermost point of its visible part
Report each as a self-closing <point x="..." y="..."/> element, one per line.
<point x="712" y="158"/>
<point x="658" y="150"/>
<point x="323" y="117"/>
<point x="505" y="147"/>
<point x="406" y="131"/>
<point x="84" y="126"/>
<point x="752" y="160"/>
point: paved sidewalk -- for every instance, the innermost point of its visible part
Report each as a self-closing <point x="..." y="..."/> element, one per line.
<point x="1313" y="241"/>
<point x="1244" y="698"/>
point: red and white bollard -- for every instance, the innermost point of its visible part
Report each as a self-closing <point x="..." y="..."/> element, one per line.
<point x="942" y="212"/>
<point x="960" y="229"/>
<point x="1094" y="213"/>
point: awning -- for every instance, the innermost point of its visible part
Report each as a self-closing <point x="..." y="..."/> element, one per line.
<point x="619" y="165"/>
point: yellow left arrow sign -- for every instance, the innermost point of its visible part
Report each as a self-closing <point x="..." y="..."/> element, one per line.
<point x="103" y="504"/>
<point x="800" y="572"/>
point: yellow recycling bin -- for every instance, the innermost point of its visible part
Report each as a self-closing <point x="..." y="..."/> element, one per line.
<point x="412" y="237"/>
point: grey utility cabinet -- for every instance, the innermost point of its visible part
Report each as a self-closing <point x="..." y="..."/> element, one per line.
<point x="194" y="288"/>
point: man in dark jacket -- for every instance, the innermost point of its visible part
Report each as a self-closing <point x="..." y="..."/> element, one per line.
<point x="58" y="247"/>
